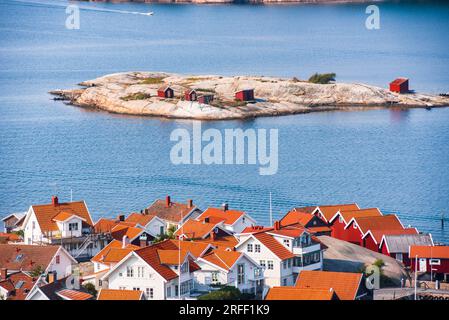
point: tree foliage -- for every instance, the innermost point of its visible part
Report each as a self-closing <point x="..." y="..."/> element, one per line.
<point x="322" y="78"/>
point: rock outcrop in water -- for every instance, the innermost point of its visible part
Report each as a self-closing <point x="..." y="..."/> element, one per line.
<point x="135" y="93"/>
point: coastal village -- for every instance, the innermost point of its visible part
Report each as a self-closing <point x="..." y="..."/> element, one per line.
<point x="177" y="250"/>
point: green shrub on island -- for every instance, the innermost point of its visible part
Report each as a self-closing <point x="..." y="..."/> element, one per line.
<point x="136" y="96"/>
<point x="152" y="80"/>
<point x="322" y="78"/>
<point x="90" y="288"/>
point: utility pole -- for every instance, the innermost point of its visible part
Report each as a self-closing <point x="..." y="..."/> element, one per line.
<point x="271" y="212"/>
<point x="416" y="275"/>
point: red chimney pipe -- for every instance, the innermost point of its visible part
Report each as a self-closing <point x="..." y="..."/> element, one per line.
<point x="54" y="200"/>
<point x="277" y="225"/>
<point x="190" y="203"/>
<point x="167" y="201"/>
<point x="212" y="236"/>
<point x="3" y="273"/>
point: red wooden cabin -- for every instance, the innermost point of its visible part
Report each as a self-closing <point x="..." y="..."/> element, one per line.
<point x="206" y="98"/>
<point x="245" y="95"/>
<point x="431" y="257"/>
<point x="165" y="92"/>
<point x="399" y="85"/>
<point x="190" y="95"/>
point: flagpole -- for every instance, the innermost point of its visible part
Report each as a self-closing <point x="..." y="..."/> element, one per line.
<point x="271" y="212"/>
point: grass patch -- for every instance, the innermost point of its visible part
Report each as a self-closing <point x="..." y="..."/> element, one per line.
<point x="136" y="96"/>
<point x="205" y="90"/>
<point x="191" y="79"/>
<point x="322" y="78"/>
<point x="152" y="80"/>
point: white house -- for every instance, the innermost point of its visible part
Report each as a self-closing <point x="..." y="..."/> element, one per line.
<point x="224" y="267"/>
<point x="282" y="252"/>
<point x="159" y="273"/>
<point x="28" y="258"/>
<point x="234" y="221"/>
<point x="67" y="224"/>
<point x="152" y="224"/>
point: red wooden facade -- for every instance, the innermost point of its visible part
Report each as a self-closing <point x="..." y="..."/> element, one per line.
<point x="245" y="95"/>
<point x="206" y="99"/>
<point x="190" y="95"/>
<point x="165" y="92"/>
<point x="399" y="85"/>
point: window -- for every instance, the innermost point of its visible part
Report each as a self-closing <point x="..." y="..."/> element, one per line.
<point x="150" y="293"/>
<point x="185" y="267"/>
<point x="289" y="263"/>
<point x="34" y="225"/>
<point x="270" y="265"/>
<point x="284" y="282"/>
<point x="136" y="288"/>
<point x="19" y="257"/>
<point x="284" y="264"/>
<point x="161" y="230"/>
<point x="215" y="276"/>
<point x="185" y="287"/>
<point x="240" y="274"/>
<point x="434" y="262"/>
<point x="262" y="264"/>
<point x="129" y="272"/>
<point x="286" y="242"/>
<point x="258" y="272"/>
<point x="354" y="225"/>
<point x="340" y="219"/>
<point x="399" y="257"/>
<point x="58" y="259"/>
<point x="73" y="226"/>
<point x="100" y="283"/>
<point x="168" y="292"/>
<point x="122" y="288"/>
<point x="140" y="272"/>
<point x="249" y="247"/>
<point x="243" y="219"/>
<point x="257" y="248"/>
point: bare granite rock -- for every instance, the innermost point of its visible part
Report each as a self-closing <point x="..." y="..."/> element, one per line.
<point x="135" y="93"/>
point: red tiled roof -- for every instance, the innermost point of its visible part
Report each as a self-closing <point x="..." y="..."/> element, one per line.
<point x="193" y="229"/>
<point x="63" y="216"/>
<point x="330" y="210"/>
<point x="149" y="255"/>
<point x="345" y="284"/>
<point x="431" y="252"/>
<point x="294" y="216"/>
<point x="369" y="212"/>
<point x="113" y="252"/>
<point x="176" y="212"/>
<point x="74" y="295"/>
<point x="223" y="242"/>
<point x="229" y="216"/>
<point x="291" y="232"/>
<point x="18" y="285"/>
<point x="45" y="214"/>
<point x="172" y="257"/>
<point x="111" y="294"/>
<point x="274" y="246"/>
<point x="387" y="222"/>
<point x="119" y="231"/>
<point x="378" y="234"/>
<point x="195" y="248"/>
<point x="139" y="218"/>
<point x="256" y="229"/>
<point x="222" y="258"/>
<point x="294" y="293"/>
<point x="9" y="237"/>
<point x="26" y="257"/>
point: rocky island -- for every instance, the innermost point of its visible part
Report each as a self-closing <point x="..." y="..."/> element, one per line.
<point x="136" y="93"/>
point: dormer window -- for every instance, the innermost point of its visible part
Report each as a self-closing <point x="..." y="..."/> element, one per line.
<point x="287" y="243"/>
<point x="73" y="226"/>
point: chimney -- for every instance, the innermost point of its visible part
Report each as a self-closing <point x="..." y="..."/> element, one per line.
<point x="190" y="203"/>
<point x="51" y="277"/>
<point x="277" y="225"/>
<point x="212" y="236"/>
<point x="143" y="240"/>
<point x="167" y="201"/>
<point x="121" y="217"/>
<point x="225" y="206"/>
<point x="125" y="241"/>
<point x="3" y="273"/>
<point x="54" y="201"/>
<point x="147" y="211"/>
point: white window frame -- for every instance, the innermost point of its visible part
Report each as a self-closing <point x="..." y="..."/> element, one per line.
<point x="434" y="262"/>
<point x="257" y="248"/>
<point x="270" y="264"/>
<point x="129" y="271"/>
<point x="249" y="247"/>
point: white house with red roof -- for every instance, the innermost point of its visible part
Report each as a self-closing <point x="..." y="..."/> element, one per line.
<point x="234" y="221"/>
<point x="283" y="252"/>
<point x="69" y="224"/>
<point x="227" y="267"/>
<point x="161" y="271"/>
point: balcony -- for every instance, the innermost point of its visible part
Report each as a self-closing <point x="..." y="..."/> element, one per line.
<point x="300" y="250"/>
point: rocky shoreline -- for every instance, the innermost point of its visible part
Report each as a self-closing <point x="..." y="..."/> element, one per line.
<point x="135" y="93"/>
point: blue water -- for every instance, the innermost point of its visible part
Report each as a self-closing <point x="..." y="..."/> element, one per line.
<point x="394" y="160"/>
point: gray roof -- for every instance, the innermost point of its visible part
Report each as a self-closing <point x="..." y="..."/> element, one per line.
<point x="401" y="243"/>
<point x="18" y="215"/>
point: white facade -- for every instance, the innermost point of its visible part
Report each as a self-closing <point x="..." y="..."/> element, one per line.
<point x="243" y="275"/>
<point x="156" y="227"/>
<point x="278" y="272"/>
<point x="240" y="224"/>
<point x="133" y="273"/>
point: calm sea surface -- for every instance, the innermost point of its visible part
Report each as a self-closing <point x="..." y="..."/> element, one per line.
<point x="395" y="160"/>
